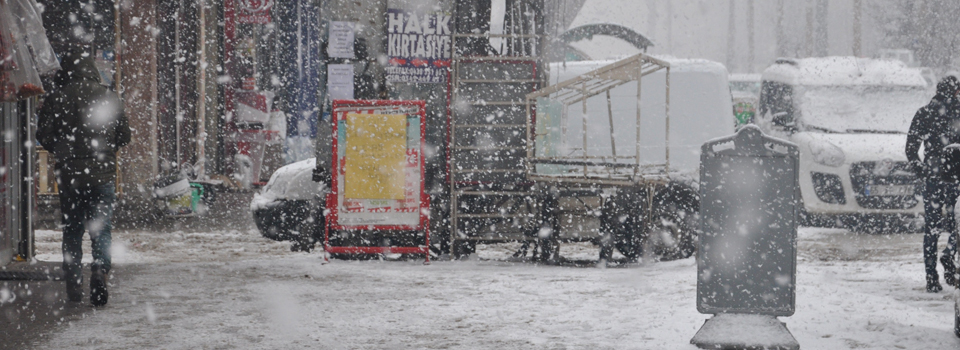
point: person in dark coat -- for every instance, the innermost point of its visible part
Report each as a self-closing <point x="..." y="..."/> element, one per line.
<point x="83" y="125"/>
<point x="937" y="125"/>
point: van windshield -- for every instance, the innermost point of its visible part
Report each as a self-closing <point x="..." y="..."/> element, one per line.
<point x="851" y="109"/>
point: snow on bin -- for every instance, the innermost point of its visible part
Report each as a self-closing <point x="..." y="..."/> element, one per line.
<point x="746" y="267"/>
<point x="180" y="198"/>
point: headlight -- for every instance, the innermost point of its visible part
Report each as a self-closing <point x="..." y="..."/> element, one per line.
<point x="827" y="153"/>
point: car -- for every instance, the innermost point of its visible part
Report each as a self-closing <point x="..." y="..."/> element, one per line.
<point x="284" y="204"/>
<point x="850" y="118"/>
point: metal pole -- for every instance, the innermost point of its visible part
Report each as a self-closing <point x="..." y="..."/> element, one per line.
<point x="781" y="49"/>
<point x="202" y="92"/>
<point x="451" y="147"/>
<point x="176" y="84"/>
<point x="27" y="187"/>
<point x="731" y="36"/>
<point x="117" y="44"/>
<point x="583" y="90"/>
<point x="857" y="27"/>
<point x="564" y="126"/>
<point x="613" y="142"/>
<point x="636" y="169"/>
<point x="530" y="139"/>
<point x="667" y="136"/>
<point x="751" y="49"/>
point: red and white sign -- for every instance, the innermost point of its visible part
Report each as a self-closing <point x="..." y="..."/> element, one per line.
<point x="387" y="214"/>
<point x="363" y="216"/>
<point x="254" y="11"/>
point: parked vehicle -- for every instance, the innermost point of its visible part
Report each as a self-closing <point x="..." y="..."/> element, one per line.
<point x="619" y="166"/>
<point x="283" y="205"/>
<point x="745" y="89"/>
<point x="850" y="117"/>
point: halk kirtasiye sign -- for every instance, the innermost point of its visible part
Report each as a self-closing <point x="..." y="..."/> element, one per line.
<point x="418" y="46"/>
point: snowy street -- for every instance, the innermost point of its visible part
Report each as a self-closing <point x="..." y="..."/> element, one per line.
<point x="202" y="147"/>
<point x="235" y="289"/>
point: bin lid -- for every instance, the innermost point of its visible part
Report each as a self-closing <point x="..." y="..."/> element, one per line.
<point x="174" y="189"/>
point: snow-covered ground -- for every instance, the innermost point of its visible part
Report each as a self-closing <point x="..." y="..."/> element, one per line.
<point x="234" y="289"/>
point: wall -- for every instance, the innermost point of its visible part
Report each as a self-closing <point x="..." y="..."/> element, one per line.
<point x="137" y="60"/>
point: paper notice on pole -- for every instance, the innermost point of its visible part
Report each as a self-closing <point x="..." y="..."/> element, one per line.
<point x="340" y="81"/>
<point x="340" y="44"/>
<point x="375" y="156"/>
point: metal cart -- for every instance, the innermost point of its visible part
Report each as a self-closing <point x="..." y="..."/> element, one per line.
<point x="606" y="186"/>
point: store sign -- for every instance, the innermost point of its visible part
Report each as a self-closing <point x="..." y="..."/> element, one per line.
<point x="418" y="47"/>
<point x="254" y="11"/>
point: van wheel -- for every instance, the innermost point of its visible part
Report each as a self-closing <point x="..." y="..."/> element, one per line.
<point x="676" y="219"/>
<point x="463" y="248"/>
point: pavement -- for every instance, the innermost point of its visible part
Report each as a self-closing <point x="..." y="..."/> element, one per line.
<point x="33" y="302"/>
<point x="31" y="309"/>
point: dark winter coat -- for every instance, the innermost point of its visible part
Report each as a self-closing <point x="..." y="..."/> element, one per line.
<point x="82" y="123"/>
<point x="936" y="125"/>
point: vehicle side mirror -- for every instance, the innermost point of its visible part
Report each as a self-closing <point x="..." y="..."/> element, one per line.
<point x="321" y="175"/>
<point x="783" y="119"/>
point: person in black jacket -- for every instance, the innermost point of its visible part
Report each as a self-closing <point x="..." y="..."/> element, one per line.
<point x="82" y="123"/>
<point x="937" y="125"/>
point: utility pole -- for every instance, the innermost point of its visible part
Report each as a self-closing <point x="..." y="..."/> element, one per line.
<point x="808" y="45"/>
<point x="731" y="37"/>
<point x="822" y="39"/>
<point x="670" y="26"/>
<point x="751" y="51"/>
<point x="652" y="16"/>
<point x="857" y="28"/>
<point x="781" y="45"/>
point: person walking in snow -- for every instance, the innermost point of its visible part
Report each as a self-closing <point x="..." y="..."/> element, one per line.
<point x="937" y="125"/>
<point x="83" y="125"/>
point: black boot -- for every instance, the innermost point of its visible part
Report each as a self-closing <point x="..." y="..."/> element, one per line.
<point x="933" y="284"/>
<point x="73" y="278"/>
<point x="949" y="270"/>
<point x="74" y="290"/>
<point x="98" y="288"/>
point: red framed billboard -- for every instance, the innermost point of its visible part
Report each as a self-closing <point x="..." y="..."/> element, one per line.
<point x="378" y="172"/>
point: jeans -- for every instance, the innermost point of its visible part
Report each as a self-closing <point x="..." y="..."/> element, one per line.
<point x="939" y="200"/>
<point x="89" y="208"/>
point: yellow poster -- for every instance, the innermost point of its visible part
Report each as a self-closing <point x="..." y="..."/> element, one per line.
<point x="376" y="150"/>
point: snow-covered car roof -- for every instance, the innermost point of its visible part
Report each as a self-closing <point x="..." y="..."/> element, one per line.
<point x="291" y="182"/>
<point x="842" y="70"/>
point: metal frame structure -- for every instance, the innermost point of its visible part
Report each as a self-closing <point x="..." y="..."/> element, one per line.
<point x="486" y="190"/>
<point x="608" y="170"/>
<point x="17" y="186"/>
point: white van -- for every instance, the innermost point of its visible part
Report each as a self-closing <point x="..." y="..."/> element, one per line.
<point x="850" y="118"/>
